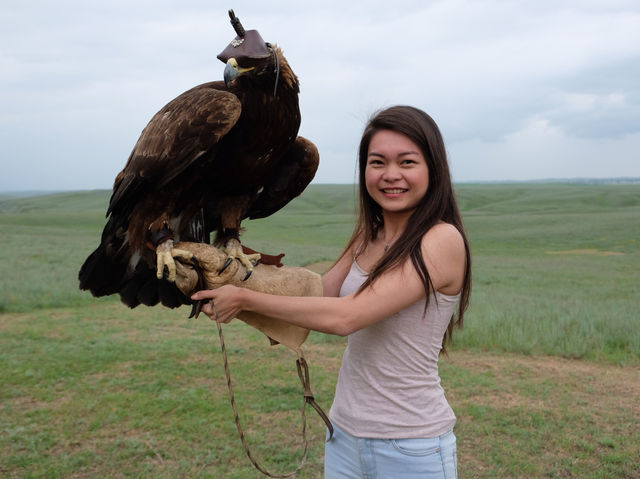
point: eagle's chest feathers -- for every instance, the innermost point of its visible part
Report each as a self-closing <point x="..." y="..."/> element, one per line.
<point x="272" y="130"/>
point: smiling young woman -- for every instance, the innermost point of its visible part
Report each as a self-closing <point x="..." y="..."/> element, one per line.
<point x="394" y="292"/>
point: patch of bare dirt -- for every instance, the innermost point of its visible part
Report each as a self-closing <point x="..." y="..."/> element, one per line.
<point x="602" y="382"/>
<point x="588" y="411"/>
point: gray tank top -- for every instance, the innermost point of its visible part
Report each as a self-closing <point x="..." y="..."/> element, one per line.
<point x="389" y="386"/>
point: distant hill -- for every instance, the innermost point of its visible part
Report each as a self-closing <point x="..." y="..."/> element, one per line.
<point x="42" y="201"/>
<point x="7" y="195"/>
<point x="577" y="181"/>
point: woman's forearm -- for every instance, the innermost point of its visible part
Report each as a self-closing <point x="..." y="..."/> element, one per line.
<point x="393" y="292"/>
<point x="324" y="314"/>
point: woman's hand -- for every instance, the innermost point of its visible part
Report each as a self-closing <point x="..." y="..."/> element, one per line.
<point x="225" y="304"/>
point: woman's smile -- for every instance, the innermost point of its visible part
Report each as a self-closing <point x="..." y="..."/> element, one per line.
<point x="394" y="191"/>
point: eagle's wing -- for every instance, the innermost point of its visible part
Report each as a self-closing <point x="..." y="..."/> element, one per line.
<point x="180" y="133"/>
<point x="292" y="175"/>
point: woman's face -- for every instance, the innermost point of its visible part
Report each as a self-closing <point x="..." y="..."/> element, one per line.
<point x="396" y="173"/>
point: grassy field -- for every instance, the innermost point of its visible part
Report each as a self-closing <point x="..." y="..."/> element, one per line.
<point x="544" y="378"/>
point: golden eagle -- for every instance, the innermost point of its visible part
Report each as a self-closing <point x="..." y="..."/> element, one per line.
<point x="215" y="155"/>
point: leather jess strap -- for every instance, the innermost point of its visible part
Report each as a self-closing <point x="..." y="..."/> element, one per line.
<point x="303" y="374"/>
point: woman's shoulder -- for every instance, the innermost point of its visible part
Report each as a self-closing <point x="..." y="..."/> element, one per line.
<point x="444" y="252"/>
<point x="443" y="234"/>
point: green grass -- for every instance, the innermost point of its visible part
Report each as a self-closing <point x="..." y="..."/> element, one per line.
<point x="555" y="270"/>
<point x="89" y="388"/>
<point x="130" y="393"/>
<point x="107" y="392"/>
<point x="554" y="265"/>
<point x="543" y="417"/>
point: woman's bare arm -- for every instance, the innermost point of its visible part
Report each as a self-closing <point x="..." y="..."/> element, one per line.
<point x="394" y="291"/>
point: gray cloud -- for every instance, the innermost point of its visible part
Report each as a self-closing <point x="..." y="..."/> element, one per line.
<point x="510" y="83"/>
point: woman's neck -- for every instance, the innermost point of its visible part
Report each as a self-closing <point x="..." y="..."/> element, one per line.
<point x="395" y="223"/>
<point x="393" y="227"/>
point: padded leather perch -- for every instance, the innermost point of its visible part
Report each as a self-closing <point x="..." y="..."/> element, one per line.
<point x="284" y="280"/>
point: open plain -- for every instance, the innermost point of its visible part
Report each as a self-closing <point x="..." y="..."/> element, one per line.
<point x="544" y="379"/>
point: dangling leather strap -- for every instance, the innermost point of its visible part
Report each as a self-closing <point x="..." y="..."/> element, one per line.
<point x="303" y="374"/>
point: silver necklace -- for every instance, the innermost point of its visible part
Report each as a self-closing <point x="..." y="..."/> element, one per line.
<point x="388" y="244"/>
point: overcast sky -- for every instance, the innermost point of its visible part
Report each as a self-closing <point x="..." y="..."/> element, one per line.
<point x="521" y="90"/>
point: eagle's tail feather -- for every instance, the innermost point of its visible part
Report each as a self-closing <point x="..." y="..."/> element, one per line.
<point x="130" y="292"/>
<point x="169" y="294"/>
<point x="108" y="270"/>
<point x="99" y="274"/>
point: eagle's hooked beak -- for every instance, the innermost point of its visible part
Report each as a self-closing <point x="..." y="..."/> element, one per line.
<point x="233" y="70"/>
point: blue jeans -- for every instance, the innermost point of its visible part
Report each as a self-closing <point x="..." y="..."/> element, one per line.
<point x="349" y="457"/>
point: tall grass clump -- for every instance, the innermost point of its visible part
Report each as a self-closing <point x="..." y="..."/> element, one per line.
<point x="555" y="270"/>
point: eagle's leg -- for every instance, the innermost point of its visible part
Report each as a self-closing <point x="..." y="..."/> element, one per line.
<point x="233" y="248"/>
<point x="232" y="211"/>
<point x="165" y="252"/>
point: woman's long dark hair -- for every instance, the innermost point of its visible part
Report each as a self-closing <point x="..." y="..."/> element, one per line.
<point x="438" y="204"/>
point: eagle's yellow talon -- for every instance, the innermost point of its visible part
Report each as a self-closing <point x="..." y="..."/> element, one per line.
<point x="165" y="252"/>
<point x="233" y="248"/>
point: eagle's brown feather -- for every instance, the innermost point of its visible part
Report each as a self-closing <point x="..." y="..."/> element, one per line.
<point x="208" y="159"/>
